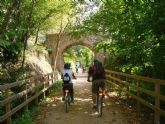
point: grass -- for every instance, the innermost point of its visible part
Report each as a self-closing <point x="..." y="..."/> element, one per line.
<point x="56" y="88"/>
<point x="24" y="119"/>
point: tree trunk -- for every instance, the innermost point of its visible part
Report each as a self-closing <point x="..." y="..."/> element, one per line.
<point x="27" y="31"/>
<point x="58" y="42"/>
<point x="36" y="39"/>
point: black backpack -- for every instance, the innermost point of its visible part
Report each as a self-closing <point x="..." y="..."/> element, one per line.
<point x="66" y="78"/>
<point x="98" y="69"/>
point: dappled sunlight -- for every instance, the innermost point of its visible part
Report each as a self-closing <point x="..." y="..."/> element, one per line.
<point x="94" y="113"/>
<point x="112" y="94"/>
<point x="81" y="110"/>
<point x="41" y="66"/>
<point x="54" y="105"/>
<point x="83" y="100"/>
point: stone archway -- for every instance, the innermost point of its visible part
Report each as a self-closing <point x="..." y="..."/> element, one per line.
<point x="60" y="55"/>
<point x="67" y="41"/>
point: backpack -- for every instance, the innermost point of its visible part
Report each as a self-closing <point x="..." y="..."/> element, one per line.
<point x="66" y="78"/>
<point x="98" y="69"/>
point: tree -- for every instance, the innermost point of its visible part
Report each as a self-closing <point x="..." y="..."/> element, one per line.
<point x="21" y="20"/>
<point x="136" y="32"/>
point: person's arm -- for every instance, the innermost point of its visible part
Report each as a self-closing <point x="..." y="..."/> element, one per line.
<point x="61" y="76"/>
<point x="89" y="74"/>
<point x="74" y="77"/>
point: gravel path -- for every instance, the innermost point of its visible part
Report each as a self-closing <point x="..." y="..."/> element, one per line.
<point x="81" y="110"/>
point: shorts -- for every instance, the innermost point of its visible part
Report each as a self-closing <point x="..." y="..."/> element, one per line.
<point x="67" y="85"/>
<point x="96" y="84"/>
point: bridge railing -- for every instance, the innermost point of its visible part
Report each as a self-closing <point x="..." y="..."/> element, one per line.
<point x="29" y="90"/>
<point x="137" y="85"/>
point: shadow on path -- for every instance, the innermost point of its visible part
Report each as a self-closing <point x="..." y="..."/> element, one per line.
<point x="81" y="110"/>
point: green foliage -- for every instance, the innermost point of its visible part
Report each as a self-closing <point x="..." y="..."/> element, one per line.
<point x="57" y="87"/>
<point x="78" y="53"/>
<point x="13" y="72"/>
<point x="134" y="35"/>
<point x="4" y="43"/>
<point x="21" y="19"/>
<point x="24" y="119"/>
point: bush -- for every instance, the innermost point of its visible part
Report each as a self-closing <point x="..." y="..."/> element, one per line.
<point x="24" y="119"/>
<point x="56" y="87"/>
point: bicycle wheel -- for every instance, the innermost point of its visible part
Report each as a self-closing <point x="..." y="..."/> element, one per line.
<point x="67" y="102"/>
<point x="100" y="106"/>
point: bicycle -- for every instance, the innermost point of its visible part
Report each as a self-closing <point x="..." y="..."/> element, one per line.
<point x="67" y="100"/>
<point x="99" y="99"/>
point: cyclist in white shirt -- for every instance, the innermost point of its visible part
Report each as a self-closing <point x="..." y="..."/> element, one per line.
<point x="67" y="75"/>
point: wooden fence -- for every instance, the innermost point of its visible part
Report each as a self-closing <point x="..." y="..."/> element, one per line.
<point x="36" y="86"/>
<point x="137" y="84"/>
<point x="30" y="89"/>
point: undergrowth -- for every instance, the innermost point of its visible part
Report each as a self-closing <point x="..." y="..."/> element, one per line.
<point x="34" y="111"/>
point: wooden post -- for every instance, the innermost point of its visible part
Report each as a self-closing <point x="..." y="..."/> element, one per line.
<point x="52" y="78"/>
<point x="36" y="101"/>
<point x="138" y="95"/>
<point x="44" y="88"/>
<point x="7" y="106"/>
<point x="47" y="92"/>
<point x="26" y="97"/>
<point x="36" y="87"/>
<point x="113" y="86"/>
<point x="157" y="103"/>
<point x="127" y="87"/>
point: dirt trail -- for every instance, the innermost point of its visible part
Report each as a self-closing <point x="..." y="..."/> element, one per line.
<point x="81" y="110"/>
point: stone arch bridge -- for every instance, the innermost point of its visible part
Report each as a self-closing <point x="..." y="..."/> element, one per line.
<point x="59" y="43"/>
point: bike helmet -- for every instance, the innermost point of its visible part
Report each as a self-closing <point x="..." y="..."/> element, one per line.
<point x="67" y="66"/>
<point x="96" y="61"/>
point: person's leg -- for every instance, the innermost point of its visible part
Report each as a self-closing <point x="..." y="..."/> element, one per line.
<point x="63" y="92"/>
<point x="94" y="93"/>
<point x="102" y="84"/>
<point x="64" y="87"/>
<point x="94" y="98"/>
<point x="71" y="91"/>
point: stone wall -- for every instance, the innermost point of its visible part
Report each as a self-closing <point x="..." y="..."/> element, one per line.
<point x="66" y="41"/>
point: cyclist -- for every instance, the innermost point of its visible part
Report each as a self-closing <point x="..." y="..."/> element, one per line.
<point x="77" y="69"/>
<point x="67" y="75"/>
<point x="98" y="75"/>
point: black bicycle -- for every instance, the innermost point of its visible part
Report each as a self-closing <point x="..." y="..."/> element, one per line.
<point x="100" y="96"/>
<point x="67" y="100"/>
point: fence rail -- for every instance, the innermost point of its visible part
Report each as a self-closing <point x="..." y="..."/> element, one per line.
<point x="137" y="83"/>
<point x="31" y="89"/>
<point x="38" y="85"/>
